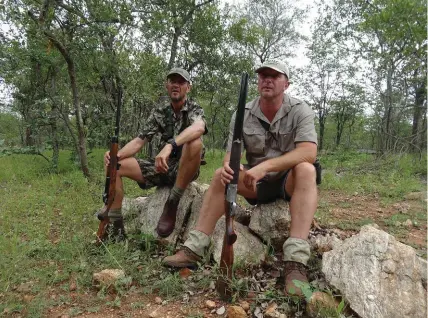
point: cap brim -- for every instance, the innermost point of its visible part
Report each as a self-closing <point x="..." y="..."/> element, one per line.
<point x="271" y="67"/>
<point x="175" y="73"/>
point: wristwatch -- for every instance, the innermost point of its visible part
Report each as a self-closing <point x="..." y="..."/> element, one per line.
<point x="174" y="145"/>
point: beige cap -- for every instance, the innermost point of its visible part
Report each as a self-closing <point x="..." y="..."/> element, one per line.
<point x="275" y="65"/>
<point x="180" y="71"/>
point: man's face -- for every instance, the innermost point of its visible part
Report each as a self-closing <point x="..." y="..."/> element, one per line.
<point x="271" y="83"/>
<point x="177" y="87"/>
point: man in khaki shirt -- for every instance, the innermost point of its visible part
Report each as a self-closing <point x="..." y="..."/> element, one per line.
<point x="281" y="147"/>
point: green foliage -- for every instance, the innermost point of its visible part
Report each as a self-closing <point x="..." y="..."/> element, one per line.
<point x="9" y="130"/>
<point x="389" y="176"/>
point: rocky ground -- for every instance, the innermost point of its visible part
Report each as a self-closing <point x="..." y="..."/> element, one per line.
<point x="258" y="288"/>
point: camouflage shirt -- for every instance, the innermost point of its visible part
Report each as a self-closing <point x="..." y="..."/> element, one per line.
<point x="164" y="124"/>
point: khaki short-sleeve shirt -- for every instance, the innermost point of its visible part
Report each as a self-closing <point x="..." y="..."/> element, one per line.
<point x="293" y="123"/>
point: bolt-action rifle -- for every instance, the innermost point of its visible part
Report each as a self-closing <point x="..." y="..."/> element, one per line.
<point x="231" y="191"/>
<point x="111" y="172"/>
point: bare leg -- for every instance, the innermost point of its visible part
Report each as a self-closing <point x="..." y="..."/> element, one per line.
<point x="129" y="168"/>
<point x="213" y="204"/>
<point x="189" y="163"/>
<point x="302" y="187"/>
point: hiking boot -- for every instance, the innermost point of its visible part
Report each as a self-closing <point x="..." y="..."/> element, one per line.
<point x="166" y="223"/>
<point x="185" y="257"/>
<point x="295" y="278"/>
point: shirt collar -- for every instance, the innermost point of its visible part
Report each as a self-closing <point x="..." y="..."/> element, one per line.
<point x="282" y="111"/>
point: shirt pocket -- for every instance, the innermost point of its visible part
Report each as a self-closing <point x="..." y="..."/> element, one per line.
<point x="286" y="139"/>
<point x="254" y="139"/>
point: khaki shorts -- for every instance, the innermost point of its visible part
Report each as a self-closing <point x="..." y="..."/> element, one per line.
<point x="270" y="191"/>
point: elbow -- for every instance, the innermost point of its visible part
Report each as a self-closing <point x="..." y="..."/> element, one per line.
<point x="200" y="129"/>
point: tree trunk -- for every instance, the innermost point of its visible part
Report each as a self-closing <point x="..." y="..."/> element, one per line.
<point x="79" y="121"/>
<point x="417" y="127"/>
<point x="54" y="129"/>
<point x="174" y="47"/>
<point x="321" y="121"/>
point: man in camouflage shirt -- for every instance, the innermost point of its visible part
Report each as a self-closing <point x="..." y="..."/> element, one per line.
<point x="281" y="147"/>
<point x="180" y="124"/>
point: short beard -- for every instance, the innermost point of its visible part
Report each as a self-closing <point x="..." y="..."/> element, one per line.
<point x="177" y="99"/>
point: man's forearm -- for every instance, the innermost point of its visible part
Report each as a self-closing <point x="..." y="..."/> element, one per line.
<point x="287" y="161"/>
<point x="190" y="133"/>
<point x="132" y="147"/>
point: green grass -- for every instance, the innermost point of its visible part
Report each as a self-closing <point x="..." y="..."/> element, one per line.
<point x="47" y="225"/>
<point x="390" y="177"/>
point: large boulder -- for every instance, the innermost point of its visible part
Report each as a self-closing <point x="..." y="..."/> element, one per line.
<point x="145" y="212"/>
<point x="379" y="276"/>
<point x="271" y="222"/>
<point x="247" y="249"/>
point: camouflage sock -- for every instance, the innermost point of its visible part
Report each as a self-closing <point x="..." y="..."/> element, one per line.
<point x="115" y="214"/>
<point x="175" y="194"/>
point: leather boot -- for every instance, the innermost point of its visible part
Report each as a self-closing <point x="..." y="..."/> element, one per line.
<point x="185" y="257"/>
<point x="166" y="223"/>
<point x="293" y="272"/>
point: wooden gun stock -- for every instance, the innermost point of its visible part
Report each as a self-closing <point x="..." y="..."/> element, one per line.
<point x="109" y="190"/>
<point x="111" y="171"/>
<point x="226" y="261"/>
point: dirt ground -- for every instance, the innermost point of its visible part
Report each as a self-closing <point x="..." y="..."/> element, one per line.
<point x="343" y="212"/>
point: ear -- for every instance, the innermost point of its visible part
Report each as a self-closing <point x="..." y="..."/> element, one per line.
<point x="189" y="87"/>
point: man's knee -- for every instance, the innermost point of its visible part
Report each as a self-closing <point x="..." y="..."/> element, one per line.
<point x="217" y="176"/>
<point x="193" y="148"/>
<point x="130" y="168"/>
<point x="304" y="171"/>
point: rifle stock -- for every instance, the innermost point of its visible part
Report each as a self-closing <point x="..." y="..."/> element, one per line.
<point x="111" y="171"/>
<point x="226" y="261"/>
<point x="109" y="189"/>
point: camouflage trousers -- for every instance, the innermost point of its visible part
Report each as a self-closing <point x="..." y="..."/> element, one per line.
<point x="154" y="178"/>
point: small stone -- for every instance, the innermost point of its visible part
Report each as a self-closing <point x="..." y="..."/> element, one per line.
<point x="25" y="287"/>
<point x="258" y="312"/>
<point x="236" y="312"/>
<point x="245" y="305"/>
<point x="210" y="304"/>
<point x="221" y="311"/>
<point x="320" y="300"/>
<point x="271" y="312"/>
<point x="73" y="285"/>
<point x="185" y="272"/>
<point x="408" y="223"/>
<point x="158" y="300"/>
<point x="212" y="285"/>
<point x="28" y="298"/>
<point x="108" y="277"/>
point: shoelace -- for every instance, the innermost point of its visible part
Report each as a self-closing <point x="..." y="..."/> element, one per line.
<point x="295" y="266"/>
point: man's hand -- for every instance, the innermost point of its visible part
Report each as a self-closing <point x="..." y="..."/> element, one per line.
<point x="252" y="176"/>
<point x="161" y="160"/>
<point x="227" y="173"/>
<point x="107" y="158"/>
